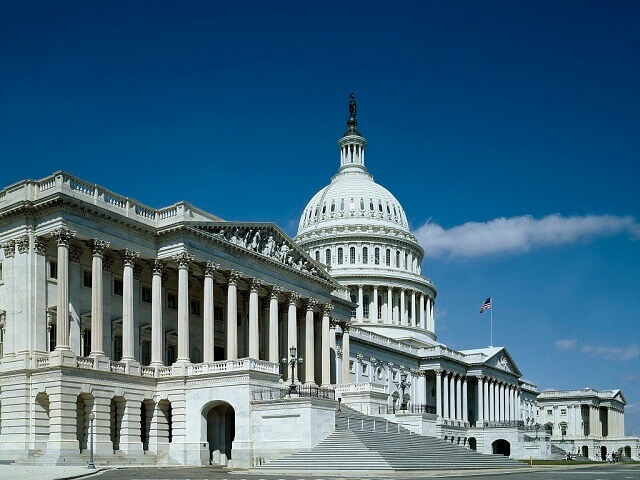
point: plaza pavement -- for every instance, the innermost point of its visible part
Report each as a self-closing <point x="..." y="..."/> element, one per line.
<point x="596" y="472"/>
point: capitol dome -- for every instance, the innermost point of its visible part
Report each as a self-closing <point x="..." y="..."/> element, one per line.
<point x="353" y="196"/>
<point x="359" y="231"/>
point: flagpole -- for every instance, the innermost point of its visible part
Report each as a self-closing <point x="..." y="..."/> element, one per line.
<point x="491" y="345"/>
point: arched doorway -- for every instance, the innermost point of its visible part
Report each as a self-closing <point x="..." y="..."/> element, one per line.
<point x="585" y="451"/>
<point x="116" y="414"/>
<point x="472" y="443"/>
<point x="146" y="417"/>
<point x="84" y="405"/>
<point x="626" y="451"/>
<point x="501" y="447"/>
<point x="603" y="453"/>
<point x="41" y="420"/>
<point x="220" y="424"/>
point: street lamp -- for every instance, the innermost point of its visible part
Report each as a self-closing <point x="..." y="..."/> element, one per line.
<point x="292" y="362"/>
<point x="403" y="385"/>
<point x="91" y="465"/>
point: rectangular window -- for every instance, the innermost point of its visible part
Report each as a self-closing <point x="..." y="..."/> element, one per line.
<point x="351" y="366"/>
<point x="86" y="342"/>
<point x="364" y="368"/>
<point x="52" y="337"/>
<point x="171" y="354"/>
<point x="53" y="269"/>
<point x="195" y="307"/>
<point x="1" y="277"/>
<point x="317" y="255"/>
<point x="145" y="293"/>
<point x="86" y="278"/>
<point x="146" y="352"/>
<point x="118" y="286"/>
<point x="117" y="348"/>
<point x="218" y="314"/>
<point x="563" y="411"/>
<point x="549" y="412"/>
<point x="172" y="301"/>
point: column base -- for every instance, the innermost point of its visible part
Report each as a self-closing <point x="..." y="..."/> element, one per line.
<point x="180" y="368"/>
<point x="62" y="357"/>
<point x="131" y="366"/>
<point x="100" y="361"/>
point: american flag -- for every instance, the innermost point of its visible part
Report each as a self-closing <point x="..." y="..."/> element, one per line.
<point x="486" y="305"/>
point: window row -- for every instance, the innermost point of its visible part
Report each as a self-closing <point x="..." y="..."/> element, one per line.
<point x="380" y="257"/>
<point x="391" y="210"/>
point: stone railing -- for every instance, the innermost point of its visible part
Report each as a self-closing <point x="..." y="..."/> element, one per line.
<point x="449" y="422"/>
<point x="361" y="387"/>
<point x="380" y="339"/>
<point x="63" y="182"/>
<point x="223" y="366"/>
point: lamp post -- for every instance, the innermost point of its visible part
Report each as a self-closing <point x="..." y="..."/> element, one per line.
<point x="91" y="465"/>
<point x="293" y="361"/>
<point x="403" y="385"/>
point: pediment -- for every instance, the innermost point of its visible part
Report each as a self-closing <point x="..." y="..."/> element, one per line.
<point x="267" y="240"/>
<point x="501" y="360"/>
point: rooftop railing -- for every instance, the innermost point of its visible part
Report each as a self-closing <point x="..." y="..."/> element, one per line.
<point x="305" y="391"/>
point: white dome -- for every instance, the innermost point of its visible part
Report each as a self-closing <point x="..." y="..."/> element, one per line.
<point x="353" y="197"/>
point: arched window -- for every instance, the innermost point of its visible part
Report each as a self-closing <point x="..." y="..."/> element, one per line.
<point x="316" y="212"/>
<point x="394" y="211"/>
<point x="342" y="205"/>
<point x="398" y="259"/>
<point x="352" y="255"/>
<point x="340" y="256"/>
<point x="333" y="207"/>
<point x="317" y="255"/>
<point x="371" y="205"/>
<point x="361" y="204"/>
<point x="406" y="260"/>
<point x="324" y="208"/>
<point x="365" y="255"/>
<point x="388" y="258"/>
<point x="327" y="257"/>
<point x="376" y="256"/>
<point x="388" y="209"/>
<point x="380" y="207"/>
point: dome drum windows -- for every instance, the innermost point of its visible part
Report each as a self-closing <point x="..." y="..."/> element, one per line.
<point x="376" y="256"/>
<point x="340" y="256"/>
<point x="352" y="255"/>
<point x="327" y="256"/>
<point x="388" y="258"/>
<point x="365" y="255"/>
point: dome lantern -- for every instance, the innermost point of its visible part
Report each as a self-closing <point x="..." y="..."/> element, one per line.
<point x="352" y="144"/>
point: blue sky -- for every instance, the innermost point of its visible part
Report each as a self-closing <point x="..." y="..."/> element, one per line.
<point x="474" y="111"/>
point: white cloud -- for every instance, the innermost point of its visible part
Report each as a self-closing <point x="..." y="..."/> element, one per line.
<point x="612" y="353"/>
<point x="519" y="234"/>
<point x="566" y="344"/>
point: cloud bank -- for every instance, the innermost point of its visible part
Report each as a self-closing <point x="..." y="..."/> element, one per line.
<point x="621" y="354"/>
<point x="519" y="234"/>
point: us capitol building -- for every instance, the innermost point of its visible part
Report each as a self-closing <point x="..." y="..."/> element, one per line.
<point x="171" y="336"/>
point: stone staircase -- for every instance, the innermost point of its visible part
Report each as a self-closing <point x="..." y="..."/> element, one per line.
<point x="362" y="442"/>
<point x="35" y="457"/>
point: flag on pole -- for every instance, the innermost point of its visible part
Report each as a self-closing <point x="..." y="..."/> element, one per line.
<point x="486" y="305"/>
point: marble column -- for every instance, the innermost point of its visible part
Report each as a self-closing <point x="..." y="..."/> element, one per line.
<point x="492" y="399"/>
<point x="518" y="414"/>
<point x="183" y="260"/>
<point x="465" y="405"/>
<point x="389" y="306"/>
<point x="254" y="334"/>
<point x="63" y="236"/>
<point x="129" y="258"/>
<point x="480" y="398"/>
<point x="274" y="354"/>
<point x="292" y="327"/>
<point x="374" y="315"/>
<point x="452" y="396"/>
<point x="157" y="329"/>
<point x="459" y="398"/>
<point x="346" y="374"/>
<point x="423" y="321"/>
<point x="445" y="389"/>
<point x="414" y="319"/>
<point x="403" y="318"/>
<point x="97" y="307"/>
<point x="208" y="329"/>
<point x="422" y="388"/>
<point x="360" y="309"/>
<point x="309" y="343"/>
<point x="439" y="393"/>
<point x="326" y="345"/>
<point x="232" y="315"/>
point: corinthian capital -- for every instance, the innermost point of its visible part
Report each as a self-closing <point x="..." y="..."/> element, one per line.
<point x="23" y="244"/>
<point x="311" y="304"/>
<point x="9" y="248"/>
<point x="97" y="247"/>
<point x="255" y="284"/>
<point x="129" y="257"/>
<point x="275" y="291"/>
<point x="346" y="327"/>
<point x="233" y="277"/>
<point x="157" y="267"/>
<point x="293" y="298"/>
<point x="183" y="259"/>
<point x="63" y="235"/>
<point x="327" y="308"/>
<point x="40" y="245"/>
<point x="210" y="268"/>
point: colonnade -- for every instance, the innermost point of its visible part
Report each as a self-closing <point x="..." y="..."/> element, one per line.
<point x="400" y="306"/>
<point x="497" y="401"/>
<point x="183" y="261"/>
